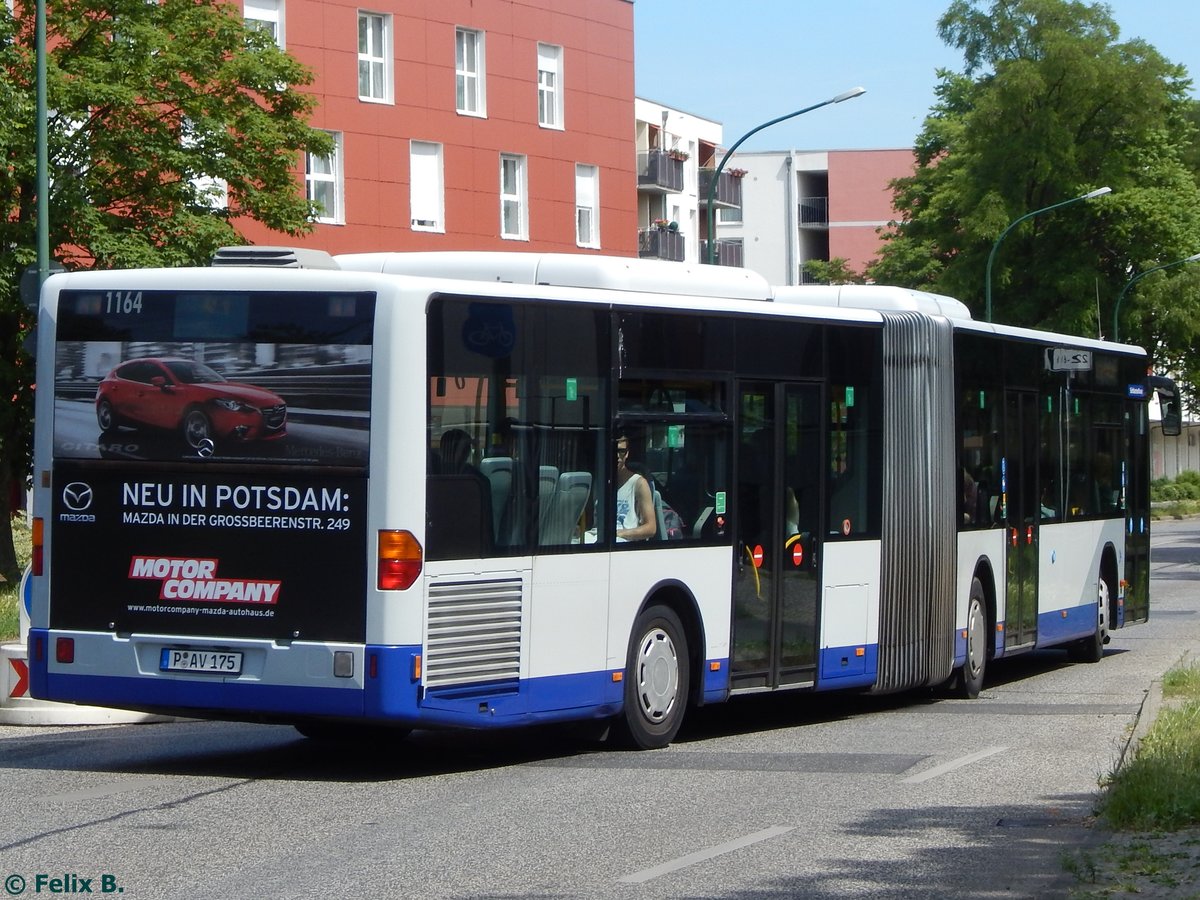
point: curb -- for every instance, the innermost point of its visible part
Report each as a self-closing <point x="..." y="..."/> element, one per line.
<point x="18" y="708"/>
<point x="1143" y="721"/>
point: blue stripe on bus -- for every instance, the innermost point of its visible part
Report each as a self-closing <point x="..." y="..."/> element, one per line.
<point x="716" y="683"/>
<point x="843" y="667"/>
<point x="181" y="696"/>
<point x="392" y="694"/>
<point x="1057" y="628"/>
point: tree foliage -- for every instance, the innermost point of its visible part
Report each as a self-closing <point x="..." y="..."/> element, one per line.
<point x="167" y="122"/>
<point x="1051" y="104"/>
<point x="832" y="271"/>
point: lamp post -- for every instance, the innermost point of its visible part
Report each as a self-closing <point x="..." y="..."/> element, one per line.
<point x="987" y="281"/>
<point x="41" y="153"/>
<point x="712" y="188"/>
<point x="1134" y="280"/>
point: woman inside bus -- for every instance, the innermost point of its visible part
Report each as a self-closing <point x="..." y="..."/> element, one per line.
<point x="636" y="520"/>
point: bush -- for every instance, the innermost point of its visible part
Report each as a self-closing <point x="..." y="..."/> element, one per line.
<point x="1185" y="487"/>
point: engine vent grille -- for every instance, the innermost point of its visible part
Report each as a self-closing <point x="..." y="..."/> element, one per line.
<point x="474" y="632"/>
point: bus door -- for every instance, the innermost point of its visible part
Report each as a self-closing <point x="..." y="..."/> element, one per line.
<point x="1135" y="605"/>
<point x="1022" y="514"/>
<point x="778" y="515"/>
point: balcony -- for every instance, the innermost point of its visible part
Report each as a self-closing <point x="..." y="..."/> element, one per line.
<point x="814" y="212"/>
<point x="660" y="243"/>
<point x="659" y="173"/>
<point x="729" y="253"/>
<point x="729" y="189"/>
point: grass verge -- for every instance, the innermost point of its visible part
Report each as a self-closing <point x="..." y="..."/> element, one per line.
<point x="1178" y="509"/>
<point x="1160" y="787"/>
<point x="1152" y="804"/>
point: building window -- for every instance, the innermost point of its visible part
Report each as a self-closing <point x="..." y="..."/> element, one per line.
<point x="323" y="183"/>
<point x="470" y="83"/>
<point x="550" y="93"/>
<point x="513" y="194"/>
<point x="425" y="186"/>
<point x="587" y="206"/>
<point x="374" y="57"/>
<point x="265" y="15"/>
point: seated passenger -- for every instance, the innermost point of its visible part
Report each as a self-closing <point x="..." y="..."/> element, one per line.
<point x="636" y="520"/>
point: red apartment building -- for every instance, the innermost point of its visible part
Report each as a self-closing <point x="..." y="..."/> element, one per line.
<point x="466" y="124"/>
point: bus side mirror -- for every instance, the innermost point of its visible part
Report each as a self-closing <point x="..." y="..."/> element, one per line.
<point x="1168" y="403"/>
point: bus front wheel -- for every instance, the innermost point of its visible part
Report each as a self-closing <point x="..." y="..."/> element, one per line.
<point x="656" y="679"/>
<point x="1091" y="649"/>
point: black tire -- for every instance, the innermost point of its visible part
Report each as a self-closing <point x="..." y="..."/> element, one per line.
<point x="1091" y="649"/>
<point x="657" y="680"/>
<point x="106" y="417"/>
<point x="970" y="677"/>
<point x="197" y="429"/>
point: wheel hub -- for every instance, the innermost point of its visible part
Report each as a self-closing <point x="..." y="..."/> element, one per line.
<point x="658" y="675"/>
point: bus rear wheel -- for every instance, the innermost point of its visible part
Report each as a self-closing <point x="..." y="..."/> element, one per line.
<point x="656" y="680"/>
<point x="970" y="678"/>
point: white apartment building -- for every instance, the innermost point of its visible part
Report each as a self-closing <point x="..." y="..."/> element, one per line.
<point x="676" y="155"/>
<point x="798" y="206"/>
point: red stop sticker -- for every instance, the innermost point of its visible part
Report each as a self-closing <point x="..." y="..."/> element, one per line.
<point x="797" y="554"/>
<point x="757" y="556"/>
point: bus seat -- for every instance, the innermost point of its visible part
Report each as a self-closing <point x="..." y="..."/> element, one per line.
<point x="547" y="485"/>
<point x="499" y="472"/>
<point x="571" y="495"/>
<point x="661" y="527"/>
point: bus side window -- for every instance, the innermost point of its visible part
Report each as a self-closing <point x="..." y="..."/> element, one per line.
<point x="459" y="517"/>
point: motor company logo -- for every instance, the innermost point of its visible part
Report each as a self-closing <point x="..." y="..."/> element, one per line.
<point x="77" y="497"/>
<point x="196" y="579"/>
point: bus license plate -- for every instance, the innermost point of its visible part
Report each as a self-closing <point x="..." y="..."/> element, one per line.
<point x="215" y="662"/>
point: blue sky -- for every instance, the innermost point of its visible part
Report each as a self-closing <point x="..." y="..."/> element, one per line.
<point x="744" y="62"/>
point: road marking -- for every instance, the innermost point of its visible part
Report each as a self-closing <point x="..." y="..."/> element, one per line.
<point x="953" y="764"/>
<point x="104" y="790"/>
<point x="701" y="855"/>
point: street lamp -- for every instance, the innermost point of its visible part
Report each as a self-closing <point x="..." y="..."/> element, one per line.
<point x="987" y="282"/>
<point x="41" y="152"/>
<point x="1134" y="280"/>
<point x="712" y="188"/>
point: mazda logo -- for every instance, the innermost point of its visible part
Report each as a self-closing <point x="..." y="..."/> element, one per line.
<point x="77" y="496"/>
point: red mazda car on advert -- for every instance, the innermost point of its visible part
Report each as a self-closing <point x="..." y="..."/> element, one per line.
<point x="186" y="396"/>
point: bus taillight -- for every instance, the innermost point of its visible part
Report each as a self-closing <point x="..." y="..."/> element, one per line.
<point x="36" y="559"/>
<point x="400" y="560"/>
<point x="64" y="650"/>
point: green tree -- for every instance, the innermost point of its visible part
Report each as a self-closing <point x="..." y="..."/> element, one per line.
<point x="832" y="271"/>
<point x="1050" y="104"/>
<point x="168" y="121"/>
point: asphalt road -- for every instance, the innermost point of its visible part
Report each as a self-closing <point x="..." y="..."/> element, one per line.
<point x="768" y="796"/>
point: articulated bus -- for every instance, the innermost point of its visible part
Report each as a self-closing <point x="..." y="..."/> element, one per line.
<point x="384" y="490"/>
